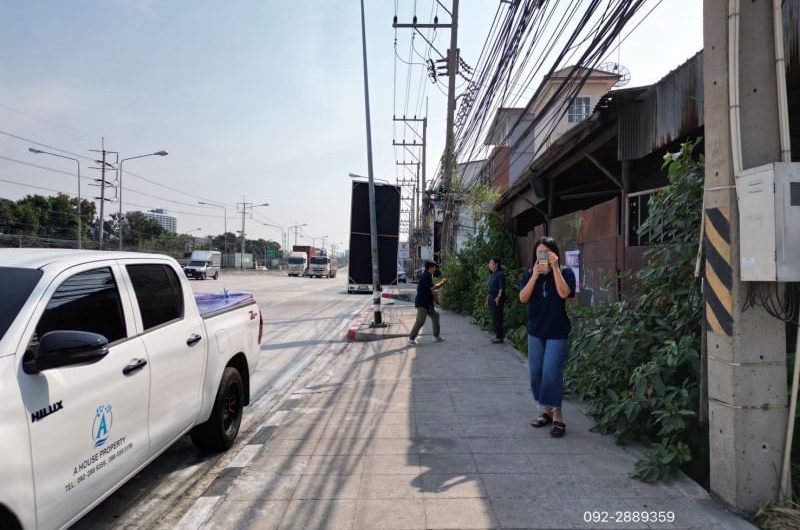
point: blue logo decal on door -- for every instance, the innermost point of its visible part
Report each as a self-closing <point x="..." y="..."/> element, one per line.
<point x="102" y="425"/>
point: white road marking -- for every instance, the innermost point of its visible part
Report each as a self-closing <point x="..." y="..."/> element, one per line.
<point x="276" y="419"/>
<point x="199" y="513"/>
<point x="245" y="455"/>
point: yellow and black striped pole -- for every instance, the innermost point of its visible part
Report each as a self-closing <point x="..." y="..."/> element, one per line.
<point x="718" y="271"/>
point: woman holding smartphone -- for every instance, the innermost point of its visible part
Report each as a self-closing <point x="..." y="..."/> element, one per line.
<point x="545" y="288"/>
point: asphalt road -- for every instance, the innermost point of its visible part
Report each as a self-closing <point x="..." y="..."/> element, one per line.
<point x="303" y="317"/>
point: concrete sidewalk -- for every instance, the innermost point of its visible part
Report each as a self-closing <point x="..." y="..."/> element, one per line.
<point x="391" y="436"/>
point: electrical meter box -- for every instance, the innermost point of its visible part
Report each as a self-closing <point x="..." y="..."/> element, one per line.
<point x="769" y="222"/>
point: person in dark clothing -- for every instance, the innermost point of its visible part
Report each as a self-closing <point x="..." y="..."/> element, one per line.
<point x="424" y="303"/>
<point x="495" y="300"/>
<point x="545" y="288"/>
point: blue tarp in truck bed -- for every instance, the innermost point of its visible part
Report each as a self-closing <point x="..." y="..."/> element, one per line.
<point x="209" y="304"/>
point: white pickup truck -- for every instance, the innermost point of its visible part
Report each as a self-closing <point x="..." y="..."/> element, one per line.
<point x="106" y="359"/>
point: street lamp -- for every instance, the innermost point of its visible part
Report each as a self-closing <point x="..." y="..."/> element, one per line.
<point x="40" y="152"/>
<point x="225" y="233"/>
<point x="121" y="220"/>
<point x="283" y="234"/>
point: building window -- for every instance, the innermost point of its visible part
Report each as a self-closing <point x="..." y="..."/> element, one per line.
<point x="579" y="109"/>
<point x="638" y="213"/>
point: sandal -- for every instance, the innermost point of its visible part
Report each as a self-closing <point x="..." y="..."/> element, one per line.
<point x="558" y="430"/>
<point x="544" y="419"/>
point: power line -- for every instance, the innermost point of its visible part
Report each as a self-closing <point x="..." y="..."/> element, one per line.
<point x="34" y="142"/>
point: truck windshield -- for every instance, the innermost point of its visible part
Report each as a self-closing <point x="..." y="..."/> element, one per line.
<point x="319" y="261"/>
<point x="296" y="261"/>
<point x="15" y="287"/>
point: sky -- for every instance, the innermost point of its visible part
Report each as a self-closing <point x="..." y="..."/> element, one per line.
<point x="256" y="101"/>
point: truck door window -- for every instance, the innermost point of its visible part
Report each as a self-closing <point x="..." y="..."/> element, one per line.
<point x="87" y="301"/>
<point x="158" y="292"/>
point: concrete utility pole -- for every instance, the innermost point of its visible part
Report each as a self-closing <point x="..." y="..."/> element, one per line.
<point x="449" y="165"/>
<point x="746" y="349"/>
<point x="246" y="208"/>
<point x="102" y="198"/>
<point x="373" y="220"/>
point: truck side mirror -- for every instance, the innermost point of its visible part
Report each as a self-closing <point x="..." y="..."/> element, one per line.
<point x="65" y="348"/>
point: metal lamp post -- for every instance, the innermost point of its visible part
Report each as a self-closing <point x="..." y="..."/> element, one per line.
<point x="225" y="233"/>
<point x="40" y="152"/>
<point x="121" y="219"/>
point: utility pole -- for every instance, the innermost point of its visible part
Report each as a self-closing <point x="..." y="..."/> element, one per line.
<point x="102" y="198"/>
<point x="102" y="195"/>
<point x="246" y="208"/>
<point x="747" y="383"/>
<point x="448" y="167"/>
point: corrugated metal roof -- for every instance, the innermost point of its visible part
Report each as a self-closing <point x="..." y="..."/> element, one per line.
<point x="664" y="112"/>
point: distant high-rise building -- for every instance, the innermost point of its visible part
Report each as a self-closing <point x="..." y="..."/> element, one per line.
<point x="169" y="222"/>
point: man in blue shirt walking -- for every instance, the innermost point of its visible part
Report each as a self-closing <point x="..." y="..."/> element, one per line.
<point x="424" y="303"/>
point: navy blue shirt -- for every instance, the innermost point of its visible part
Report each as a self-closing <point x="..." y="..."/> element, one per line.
<point x="547" y="311"/>
<point x="424" y="293"/>
<point x="497" y="282"/>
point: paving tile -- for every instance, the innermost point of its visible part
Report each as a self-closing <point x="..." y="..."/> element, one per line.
<point x="439" y="430"/>
<point x="525" y="486"/>
<point x="290" y="447"/>
<point x="328" y="486"/>
<point x="402" y="464"/>
<point x="384" y="446"/>
<point x="493" y="445"/>
<point x="341" y="446"/>
<point x="434" y="445"/>
<point x="459" y="514"/>
<point x="448" y="463"/>
<point x="333" y="464"/>
<point x="247" y="515"/>
<point x="503" y="463"/>
<point x="255" y="485"/>
<point x="298" y="432"/>
<point x="394" y="514"/>
<point x="390" y="487"/>
<point x="394" y="418"/>
<point x="452" y="485"/>
<point x="317" y="514"/>
<point x="280" y="464"/>
<point x="437" y="417"/>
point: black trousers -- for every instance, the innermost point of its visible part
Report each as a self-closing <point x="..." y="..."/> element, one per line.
<point x="497" y="316"/>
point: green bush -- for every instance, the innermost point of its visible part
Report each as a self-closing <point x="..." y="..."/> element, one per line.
<point x="468" y="273"/>
<point x="637" y="362"/>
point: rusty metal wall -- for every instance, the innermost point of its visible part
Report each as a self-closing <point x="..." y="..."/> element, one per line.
<point x="664" y="112"/>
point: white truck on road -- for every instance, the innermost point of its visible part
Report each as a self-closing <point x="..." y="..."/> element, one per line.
<point x="298" y="263"/>
<point x="204" y="264"/>
<point x="106" y="359"/>
<point x="322" y="266"/>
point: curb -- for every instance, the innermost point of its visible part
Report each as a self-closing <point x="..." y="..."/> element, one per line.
<point x="360" y="321"/>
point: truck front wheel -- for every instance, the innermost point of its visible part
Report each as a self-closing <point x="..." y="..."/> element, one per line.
<point x="221" y="429"/>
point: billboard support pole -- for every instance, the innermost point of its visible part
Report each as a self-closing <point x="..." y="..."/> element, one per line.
<point x="373" y="223"/>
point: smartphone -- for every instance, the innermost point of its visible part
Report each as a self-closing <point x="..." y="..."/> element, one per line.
<point x="543" y="257"/>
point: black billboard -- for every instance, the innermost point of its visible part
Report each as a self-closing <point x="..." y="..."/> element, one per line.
<point x="387" y="208"/>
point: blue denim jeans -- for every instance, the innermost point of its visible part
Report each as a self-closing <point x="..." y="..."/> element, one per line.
<point x="546" y="367"/>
